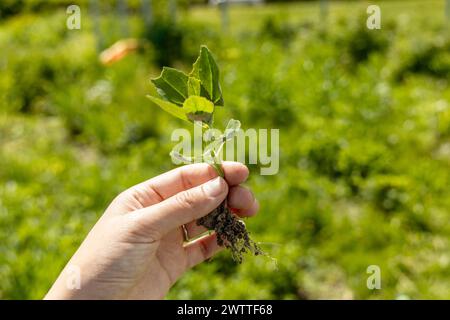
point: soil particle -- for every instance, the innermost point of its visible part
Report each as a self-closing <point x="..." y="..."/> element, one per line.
<point x="231" y="232"/>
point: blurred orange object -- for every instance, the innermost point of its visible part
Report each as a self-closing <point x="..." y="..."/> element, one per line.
<point x="118" y="51"/>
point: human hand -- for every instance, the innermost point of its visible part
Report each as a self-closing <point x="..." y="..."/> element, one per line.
<point x="137" y="249"/>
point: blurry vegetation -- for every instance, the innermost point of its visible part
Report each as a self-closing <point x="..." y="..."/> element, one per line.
<point x="364" y="120"/>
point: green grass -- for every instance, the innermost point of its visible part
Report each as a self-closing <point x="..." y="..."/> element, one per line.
<point x="364" y="121"/>
<point x="249" y="17"/>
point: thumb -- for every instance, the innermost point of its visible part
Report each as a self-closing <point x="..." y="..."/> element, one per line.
<point x="182" y="208"/>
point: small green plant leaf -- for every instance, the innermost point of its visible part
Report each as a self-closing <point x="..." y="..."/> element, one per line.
<point x="216" y="146"/>
<point x="195" y="104"/>
<point x="170" y="107"/>
<point x="206" y="70"/>
<point x="172" y="85"/>
<point x="194" y="87"/>
<point x="198" y="108"/>
<point x="232" y="128"/>
<point x="186" y="160"/>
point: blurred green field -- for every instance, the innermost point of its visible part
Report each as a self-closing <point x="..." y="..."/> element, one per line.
<point x="364" y="119"/>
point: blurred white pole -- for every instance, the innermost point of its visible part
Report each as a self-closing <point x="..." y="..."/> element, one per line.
<point x="447" y="9"/>
<point x="123" y="17"/>
<point x="323" y="9"/>
<point x="223" y="7"/>
<point x="93" y="6"/>
<point x="172" y="7"/>
<point x="147" y="12"/>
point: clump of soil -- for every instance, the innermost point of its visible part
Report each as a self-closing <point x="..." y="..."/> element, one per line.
<point x="231" y="232"/>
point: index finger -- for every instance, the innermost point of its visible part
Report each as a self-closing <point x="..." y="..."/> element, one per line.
<point x="186" y="177"/>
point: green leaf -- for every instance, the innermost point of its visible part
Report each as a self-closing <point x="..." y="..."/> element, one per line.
<point x="206" y="70"/>
<point x="232" y="128"/>
<point x="194" y="86"/>
<point x="169" y="107"/>
<point x="198" y="108"/>
<point x="195" y="104"/>
<point x="172" y="85"/>
<point x="186" y="160"/>
<point x="216" y="146"/>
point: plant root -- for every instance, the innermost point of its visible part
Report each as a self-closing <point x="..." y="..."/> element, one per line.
<point x="231" y="232"/>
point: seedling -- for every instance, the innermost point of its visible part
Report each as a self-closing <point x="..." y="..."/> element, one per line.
<point x="193" y="98"/>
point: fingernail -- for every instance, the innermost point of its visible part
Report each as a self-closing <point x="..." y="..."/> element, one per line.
<point x="214" y="187"/>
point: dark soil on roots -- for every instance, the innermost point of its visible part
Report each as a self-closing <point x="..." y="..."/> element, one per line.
<point x="231" y="232"/>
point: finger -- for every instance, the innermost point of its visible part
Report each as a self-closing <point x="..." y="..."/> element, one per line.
<point x="250" y="212"/>
<point x="194" y="230"/>
<point x="242" y="201"/>
<point x="182" y="208"/>
<point x="201" y="249"/>
<point x="183" y="178"/>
